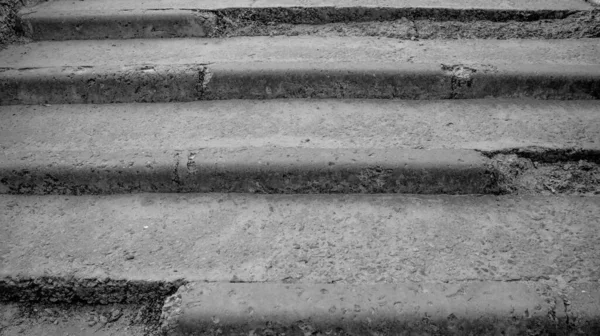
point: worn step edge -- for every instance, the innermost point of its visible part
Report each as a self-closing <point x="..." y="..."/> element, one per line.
<point x="166" y="83"/>
<point x="69" y="289"/>
<point x="252" y="170"/>
<point x="549" y="155"/>
<point x="474" y="308"/>
<point x="82" y="23"/>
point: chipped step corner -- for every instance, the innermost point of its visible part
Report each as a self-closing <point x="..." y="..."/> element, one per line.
<point x="171" y="312"/>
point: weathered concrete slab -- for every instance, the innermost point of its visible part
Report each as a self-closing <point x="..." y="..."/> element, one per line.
<point x="488" y="125"/>
<point x="581" y="304"/>
<point x="400" y="81"/>
<point x="247" y="169"/>
<point x="305" y="239"/>
<point x="150" y="83"/>
<point x="89" y="84"/>
<point x="63" y="20"/>
<point x="119" y="5"/>
<point x="276" y="71"/>
<point x="482" y="308"/>
<point x="300" y="49"/>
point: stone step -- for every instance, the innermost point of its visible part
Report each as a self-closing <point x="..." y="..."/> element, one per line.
<point x="578" y="317"/>
<point x="479" y="308"/>
<point x="298" y="67"/>
<point x="68" y="20"/>
<point x="387" y="263"/>
<point x="286" y="146"/>
<point x="111" y="242"/>
<point x="250" y="170"/>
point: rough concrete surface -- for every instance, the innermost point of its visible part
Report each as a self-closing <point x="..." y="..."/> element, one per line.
<point x="491" y="125"/>
<point x="8" y="16"/>
<point x="61" y="20"/>
<point x="294" y="239"/>
<point x="186" y="23"/>
<point x="301" y="49"/>
<point x="248" y="169"/>
<point x="151" y="83"/>
<point x="89" y="84"/>
<point x="11" y="25"/>
<point x="480" y="308"/>
<point x="571" y="72"/>
<point x="119" y="5"/>
<point x="581" y="304"/>
<point x="390" y="264"/>
<point x="76" y="319"/>
<point x="115" y="147"/>
<point x="526" y="175"/>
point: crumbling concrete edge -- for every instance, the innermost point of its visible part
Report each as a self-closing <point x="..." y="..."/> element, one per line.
<point x="594" y="2"/>
<point x="12" y="27"/>
<point x="548" y="155"/>
<point x="253" y="170"/>
<point x="177" y="319"/>
<point x="71" y="289"/>
<point x="219" y="23"/>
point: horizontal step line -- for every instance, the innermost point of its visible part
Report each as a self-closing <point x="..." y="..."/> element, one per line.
<point x="162" y="83"/>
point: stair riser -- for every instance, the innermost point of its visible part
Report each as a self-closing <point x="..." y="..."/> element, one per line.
<point x="282" y="171"/>
<point x="420" y="23"/>
<point x="166" y="83"/>
<point x="242" y="309"/>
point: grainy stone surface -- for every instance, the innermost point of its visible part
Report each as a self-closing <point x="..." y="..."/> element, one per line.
<point x="109" y="84"/>
<point x="62" y="20"/>
<point x="254" y="170"/>
<point x="56" y="319"/>
<point x="352" y="239"/>
<point x="539" y="147"/>
<point x="301" y="67"/>
<point x="11" y="25"/>
<point x="582" y="304"/>
<point x="157" y="83"/>
<point x="505" y="5"/>
<point x="480" y="308"/>
<point x="301" y="49"/>
<point x="493" y="125"/>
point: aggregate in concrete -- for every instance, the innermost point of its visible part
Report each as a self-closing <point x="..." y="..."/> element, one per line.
<point x="252" y="70"/>
<point x="120" y="5"/>
<point x="492" y="125"/>
<point x="581" y="304"/>
<point x="150" y="83"/>
<point x="253" y="170"/>
<point x="89" y="84"/>
<point x="307" y="239"/>
<point x="300" y="49"/>
<point x="480" y="308"/>
<point x="63" y="20"/>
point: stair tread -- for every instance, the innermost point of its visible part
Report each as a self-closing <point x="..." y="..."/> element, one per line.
<point x="300" y="49"/>
<point x="221" y="237"/>
<point x="70" y="6"/>
<point x="326" y="124"/>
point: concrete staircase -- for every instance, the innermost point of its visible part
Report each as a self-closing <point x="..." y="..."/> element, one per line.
<point x="301" y="167"/>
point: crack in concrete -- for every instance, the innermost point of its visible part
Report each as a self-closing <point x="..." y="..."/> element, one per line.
<point x="175" y="173"/>
<point x="566" y="304"/>
<point x="204" y="78"/>
<point x="58" y="289"/>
